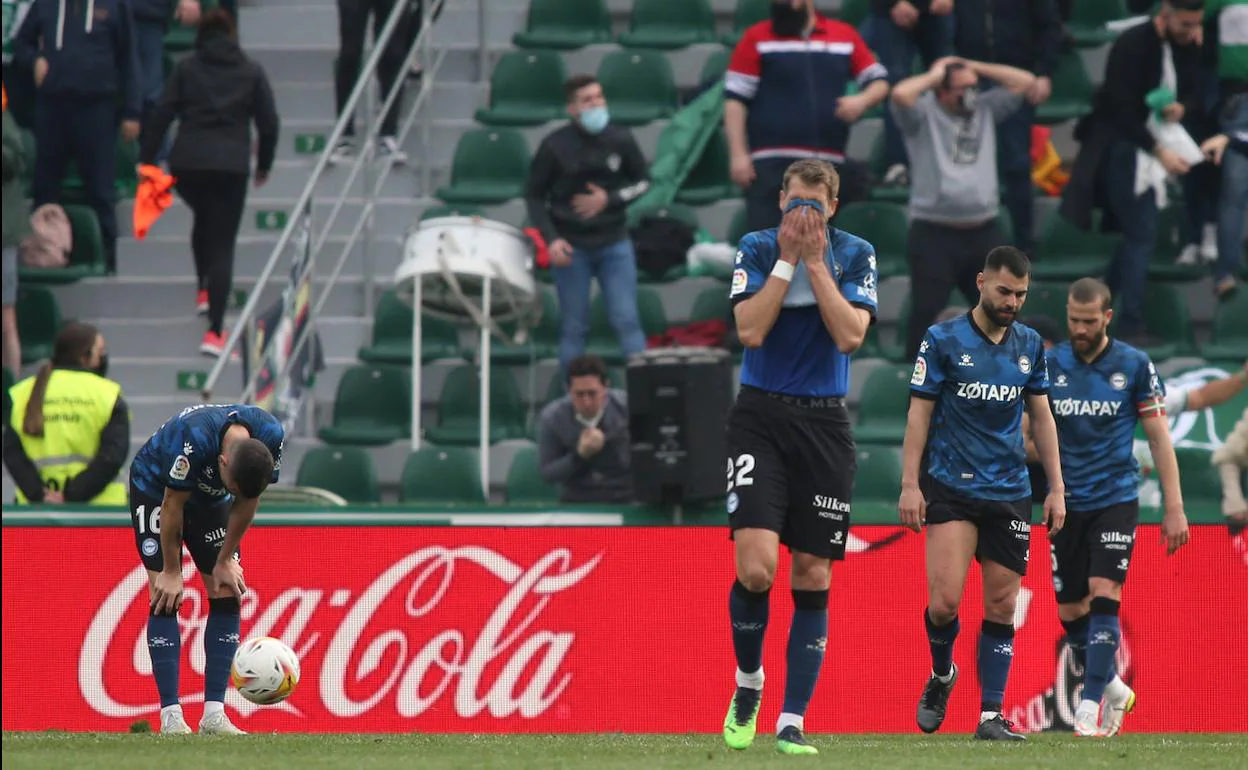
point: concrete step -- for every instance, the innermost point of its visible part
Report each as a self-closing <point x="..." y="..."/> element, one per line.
<point x="265" y="27"/>
<point x="180" y="335"/>
<point x="170" y="256"/>
<point x="264" y="214"/>
<point x="290" y="175"/>
<point x="303" y="100"/>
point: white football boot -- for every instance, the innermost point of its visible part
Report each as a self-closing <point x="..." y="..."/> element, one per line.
<point x="1086" y="722"/>
<point x="1119" y="700"/>
<point x="173" y="723"/>
<point x="218" y="724"/>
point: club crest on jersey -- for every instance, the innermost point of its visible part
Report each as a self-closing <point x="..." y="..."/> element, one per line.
<point x="1024" y="364"/>
<point x="1118" y="380"/>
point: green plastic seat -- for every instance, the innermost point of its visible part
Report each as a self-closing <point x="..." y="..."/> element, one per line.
<point x="639" y="86"/>
<point x="878" y="478"/>
<point x="372" y="407"/>
<point x="1072" y="91"/>
<point x="526" y="89"/>
<point x="878" y="163"/>
<point x="543" y="339"/>
<point x="490" y="167"/>
<point x="1166" y="317"/>
<point x="602" y="340"/>
<point x="885" y="226"/>
<point x="745" y="15"/>
<point x="1230" y="330"/>
<point x="565" y="24"/>
<point x="715" y="66"/>
<point x="884" y="406"/>
<point x="738" y="226"/>
<point x="448" y="475"/>
<point x="459" y="412"/>
<point x="1088" y="17"/>
<point x="1066" y="253"/>
<point x="667" y="25"/>
<point x="392" y="335"/>
<point x="854" y="12"/>
<point x="1197" y="476"/>
<point x="86" y="257"/>
<point x="709" y="180"/>
<point x="524" y="479"/>
<point x="38" y="320"/>
<point x="347" y="471"/>
<point x="711" y="304"/>
<point x="447" y="210"/>
<point x="1046" y="299"/>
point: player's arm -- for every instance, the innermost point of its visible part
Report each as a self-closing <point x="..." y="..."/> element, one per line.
<point x="1029" y="440"/>
<point x="912" y="507"/>
<point x="758" y="296"/>
<point x="1044" y="430"/>
<point x="1174" y="520"/>
<point x="167" y="586"/>
<point x="227" y="571"/>
<point x="1218" y="391"/>
<point x="845" y="322"/>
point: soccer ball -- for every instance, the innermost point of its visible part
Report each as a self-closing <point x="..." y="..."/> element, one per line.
<point x="265" y="670"/>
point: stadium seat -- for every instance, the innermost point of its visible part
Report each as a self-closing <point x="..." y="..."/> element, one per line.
<point x="459" y="408"/>
<point x="708" y="180"/>
<point x="434" y="212"/>
<point x="878" y="478"/>
<point x="747" y="14"/>
<point x="1171" y="232"/>
<point x="885" y="403"/>
<point x="373" y="406"/>
<point x="877" y="163"/>
<point x="1230" y="330"/>
<point x="392" y="335"/>
<point x="1165" y="317"/>
<point x="526" y="89"/>
<point x="885" y="226"/>
<point x="854" y="12"/>
<point x="1072" y="91"/>
<point x="1047" y="299"/>
<point x="543" y="339"/>
<point x="86" y="258"/>
<point x="1066" y="253"/>
<point x="602" y="340"/>
<point x="715" y="66"/>
<point x="638" y="85"/>
<point x="346" y="471"/>
<point x="39" y="320"/>
<point x="711" y="304"/>
<point x="1197" y="476"/>
<point x="490" y="167"/>
<point x="666" y="25"/>
<point x="524" y="480"/>
<point x="738" y="226"/>
<point x="1088" y="17"/>
<point x="434" y="474"/>
<point x="565" y="24"/>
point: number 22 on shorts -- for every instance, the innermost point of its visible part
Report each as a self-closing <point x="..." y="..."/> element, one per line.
<point x="739" y="471"/>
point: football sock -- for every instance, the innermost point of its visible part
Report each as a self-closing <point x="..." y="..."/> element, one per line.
<point x="1103" y="636"/>
<point x="220" y="642"/>
<point x="996" y="653"/>
<point x="213" y="707"/>
<point x="1077" y="638"/>
<point x="748" y="611"/>
<point x="808" y="636"/>
<point x="941" y="639"/>
<point x="164" y="645"/>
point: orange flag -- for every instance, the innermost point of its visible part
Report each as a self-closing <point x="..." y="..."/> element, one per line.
<point x="155" y="194"/>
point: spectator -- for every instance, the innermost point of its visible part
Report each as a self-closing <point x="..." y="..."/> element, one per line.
<point x="1232" y="54"/>
<point x="352" y="27"/>
<point x="785" y="99"/>
<point x="1231" y="460"/>
<point x="16" y="217"/>
<point x="216" y="93"/>
<point x="151" y="22"/>
<point x="416" y="10"/>
<point x="1119" y="150"/>
<point x="950" y="132"/>
<point x="581" y="181"/>
<point x="69" y="430"/>
<point x="85" y="60"/>
<point x="1026" y="34"/>
<point x="583" y="443"/>
<point x="898" y="30"/>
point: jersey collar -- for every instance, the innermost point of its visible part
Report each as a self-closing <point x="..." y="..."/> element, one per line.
<point x="1099" y="356"/>
<point x="970" y="318"/>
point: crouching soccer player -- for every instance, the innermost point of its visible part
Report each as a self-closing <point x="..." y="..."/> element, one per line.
<point x="970" y="381"/>
<point x="198" y="481"/>
<point x="1101" y="387"/>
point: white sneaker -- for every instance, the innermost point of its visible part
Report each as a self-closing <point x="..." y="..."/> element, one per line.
<point x="218" y="724"/>
<point x="389" y="151"/>
<point x="897" y="176"/>
<point x="343" y="151"/>
<point x="1119" y="700"/>
<point x="173" y="723"/>
<point x="1209" y="244"/>
<point x="1189" y="256"/>
<point x="1086" y="722"/>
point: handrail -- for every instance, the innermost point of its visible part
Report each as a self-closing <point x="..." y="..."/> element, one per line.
<point x="296" y="220"/>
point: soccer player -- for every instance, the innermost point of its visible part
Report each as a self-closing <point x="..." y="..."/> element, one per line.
<point x="804" y="295"/>
<point x="971" y="380"/>
<point x="1101" y="388"/>
<point x="198" y="481"/>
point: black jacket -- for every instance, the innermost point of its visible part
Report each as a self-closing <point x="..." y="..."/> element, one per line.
<point x="215" y="93"/>
<point x="1021" y="33"/>
<point x="883" y="7"/>
<point x="568" y="159"/>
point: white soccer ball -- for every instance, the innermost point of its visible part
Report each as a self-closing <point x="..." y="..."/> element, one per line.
<point x="265" y="670"/>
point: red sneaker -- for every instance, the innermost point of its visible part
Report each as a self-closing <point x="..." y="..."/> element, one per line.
<point x="212" y="345"/>
<point x="201" y="302"/>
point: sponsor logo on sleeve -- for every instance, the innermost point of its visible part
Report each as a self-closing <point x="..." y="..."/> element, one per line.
<point x="920" y="372"/>
<point x="739" y="281"/>
<point x="181" y="468"/>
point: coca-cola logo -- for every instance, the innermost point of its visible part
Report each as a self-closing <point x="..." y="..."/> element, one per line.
<point x="412" y="659"/>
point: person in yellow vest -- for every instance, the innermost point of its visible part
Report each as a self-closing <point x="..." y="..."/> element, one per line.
<point x="68" y="432"/>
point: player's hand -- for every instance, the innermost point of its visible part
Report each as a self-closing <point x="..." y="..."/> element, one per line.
<point x="912" y="508"/>
<point x="742" y="170"/>
<point x="591" y="203"/>
<point x="167" y="593"/>
<point x="904" y="15"/>
<point x="230" y="575"/>
<point x="803" y="236"/>
<point x="1055" y="512"/>
<point x="560" y="253"/>
<point x="849" y="109"/>
<point x="1174" y="530"/>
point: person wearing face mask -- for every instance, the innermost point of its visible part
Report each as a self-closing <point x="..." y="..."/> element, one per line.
<point x="68" y="432"/>
<point x="582" y="178"/>
<point x="950" y="129"/>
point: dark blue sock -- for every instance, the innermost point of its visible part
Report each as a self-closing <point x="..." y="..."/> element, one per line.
<point x="1103" y="636"/>
<point x="1077" y="638"/>
<point x="941" y="639"/>
<point x="808" y="636"/>
<point x="996" y="653"/>
<point x="220" y="642"/>
<point x="749" y="611"/>
<point x="164" y="645"/>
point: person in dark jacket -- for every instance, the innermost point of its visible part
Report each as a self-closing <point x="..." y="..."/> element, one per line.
<point x="85" y="60"/>
<point x="152" y="19"/>
<point x="1020" y="33"/>
<point x="215" y="94"/>
<point x="581" y="181"/>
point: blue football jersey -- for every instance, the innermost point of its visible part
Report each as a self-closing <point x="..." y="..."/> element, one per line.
<point x="975" y="442"/>
<point x="182" y="453"/>
<point x="799" y="356"/>
<point x="1097" y="406"/>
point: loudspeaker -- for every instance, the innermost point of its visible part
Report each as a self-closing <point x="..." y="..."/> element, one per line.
<point x="678" y="402"/>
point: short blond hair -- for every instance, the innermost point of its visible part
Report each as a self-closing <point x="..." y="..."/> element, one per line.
<point x="814" y="172"/>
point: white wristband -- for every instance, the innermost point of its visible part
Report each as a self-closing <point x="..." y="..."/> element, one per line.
<point x="783" y="270"/>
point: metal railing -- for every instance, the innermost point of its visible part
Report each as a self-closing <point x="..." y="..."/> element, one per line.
<point x="373" y="182"/>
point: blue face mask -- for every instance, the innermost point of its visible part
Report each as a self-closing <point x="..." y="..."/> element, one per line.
<point x="811" y="202"/>
<point x="595" y="119"/>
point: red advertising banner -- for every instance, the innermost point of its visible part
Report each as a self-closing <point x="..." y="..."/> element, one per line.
<point x="585" y="630"/>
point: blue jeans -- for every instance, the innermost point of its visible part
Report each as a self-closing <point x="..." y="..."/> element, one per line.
<point x="1200" y="185"/>
<point x="931" y="38"/>
<point x="1233" y="206"/>
<point x="1137" y="216"/>
<point x="615" y="267"/>
<point x="150" y="41"/>
<point x="1014" y="164"/>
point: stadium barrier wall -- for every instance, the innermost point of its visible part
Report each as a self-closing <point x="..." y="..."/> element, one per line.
<point x="583" y="629"/>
